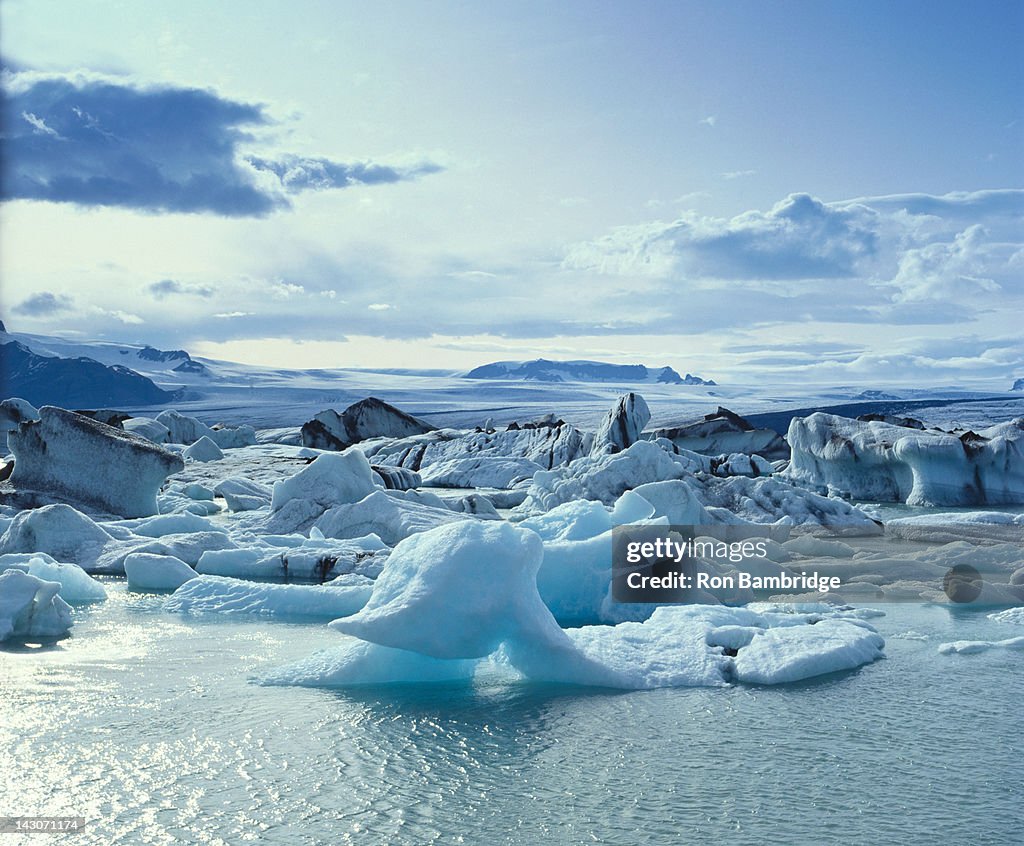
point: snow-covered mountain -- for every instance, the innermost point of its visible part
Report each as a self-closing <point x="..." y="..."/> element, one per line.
<point x="78" y="382"/>
<point x="1018" y="385"/>
<point x="543" y="370"/>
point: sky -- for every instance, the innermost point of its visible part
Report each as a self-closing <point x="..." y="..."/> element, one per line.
<point x="816" y="192"/>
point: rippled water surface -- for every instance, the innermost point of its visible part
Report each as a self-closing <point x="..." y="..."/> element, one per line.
<point x="145" y="724"/>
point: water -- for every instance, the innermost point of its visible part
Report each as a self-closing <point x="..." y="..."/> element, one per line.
<point x="145" y="724"/>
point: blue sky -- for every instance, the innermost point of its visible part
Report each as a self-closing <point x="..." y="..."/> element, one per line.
<point x="822" y="191"/>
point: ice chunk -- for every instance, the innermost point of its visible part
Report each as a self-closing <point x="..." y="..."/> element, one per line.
<point x="146" y="571"/>
<point x="388" y="517"/>
<point x="225" y="595"/>
<point x="76" y="586"/>
<point x="397" y="478"/>
<point x="726" y="432"/>
<point x="465" y="592"/>
<point x="368" y="418"/>
<point x="181" y="428"/>
<point x="72" y="457"/>
<point x="970" y="647"/>
<point x="205" y="449"/>
<point x="603" y="477"/>
<point x="622" y="425"/>
<point x="58" y="530"/>
<point x="233" y="437"/>
<point x="1010" y="615"/>
<point x="793" y="653"/>
<point x="874" y="460"/>
<point x="30" y="608"/>
<point x="172" y="524"/>
<point x="546" y="446"/>
<point x="329" y="480"/>
<point x="457" y="591"/>
<point x="148" y="428"/>
<point x="243" y="494"/>
<point x="486" y="471"/>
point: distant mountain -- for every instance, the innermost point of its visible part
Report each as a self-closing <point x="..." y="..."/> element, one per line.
<point x="543" y="370"/>
<point x="72" y="382"/>
<point x="1018" y="385"/>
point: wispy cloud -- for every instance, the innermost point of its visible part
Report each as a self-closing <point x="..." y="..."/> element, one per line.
<point x="171" y="287"/>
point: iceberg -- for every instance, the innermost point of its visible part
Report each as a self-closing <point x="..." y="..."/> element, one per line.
<point x="76" y="586"/>
<point x="233" y="596"/>
<point x="388" y="517"/>
<point x="874" y="460"/>
<point x="462" y="593"/>
<point x="31" y="608"/>
<point x="147" y="571"/>
<point x="331" y="479"/>
<point x="972" y="647"/>
<point x="623" y="425"/>
<point x="72" y="457"/>
<point x="205" y="449"/>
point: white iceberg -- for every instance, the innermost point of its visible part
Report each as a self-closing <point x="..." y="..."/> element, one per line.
<point x="874" y="460"/>
<point x="225" y="595"/>
<point x="467" y="592"/>
<point x="331" y="479"/>
<point x="205" y="449"/>
<point x="76" y="586"/>
<point x="388" y="517"/>
<point x="972" y="647"/>
<point x="31" y="608"/>
<point x="146" y="571"/>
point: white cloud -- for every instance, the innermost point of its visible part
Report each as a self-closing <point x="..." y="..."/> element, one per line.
<point x="946" y="270"/>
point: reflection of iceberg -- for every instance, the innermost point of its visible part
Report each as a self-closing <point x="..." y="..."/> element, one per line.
<point x="456" y="594"/>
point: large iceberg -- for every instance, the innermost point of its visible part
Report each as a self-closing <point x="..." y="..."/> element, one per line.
<point x="368" y="418"/>
<point x="71" y="457"/>
<point x="463" y="593"/>
<point x="874" y="460"/>
<point x="725" y="432"/>
<point x="622" y="425"/>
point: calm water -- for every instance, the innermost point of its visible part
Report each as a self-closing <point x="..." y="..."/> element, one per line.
<point x="145" y="724"/>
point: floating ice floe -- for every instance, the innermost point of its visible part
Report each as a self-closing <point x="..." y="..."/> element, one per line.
<point x="147" y="571"/>
<point x="1010" y="615"/>
<point x="463" y="593"/>
<point x="73" y="458"/>
<point x="76" y="586"/>
<point x="31" y="608"/>
<point x="284" y="558"/>
<point x="971" y="647"/>
<point x="217" y="594"/>
<point x="874" y="460"/>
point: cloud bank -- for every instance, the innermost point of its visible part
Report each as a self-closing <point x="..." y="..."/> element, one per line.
<point x="101" y="141"/>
